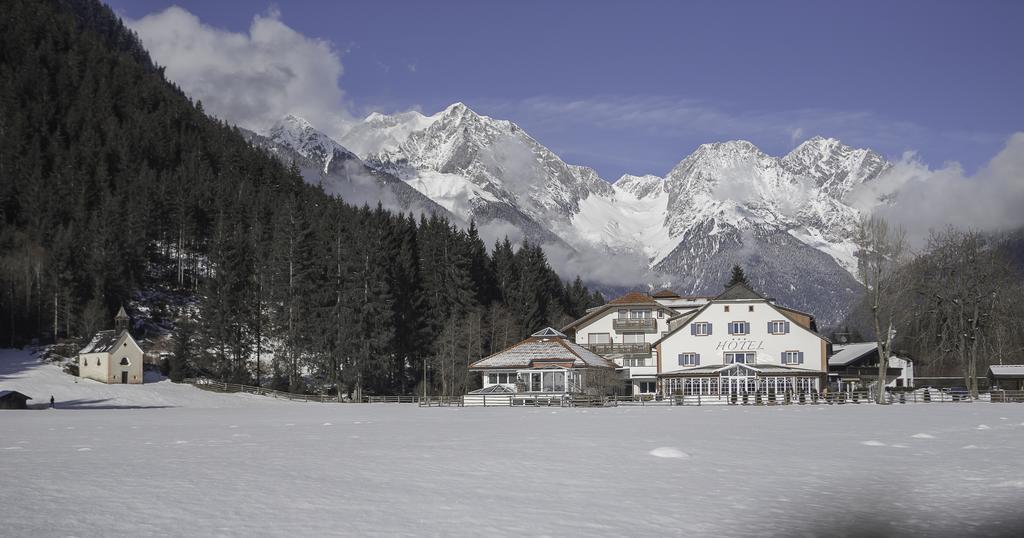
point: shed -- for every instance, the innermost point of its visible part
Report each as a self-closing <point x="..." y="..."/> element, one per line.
<point x="1006" y="376"/>
<point x="12" y="399"/>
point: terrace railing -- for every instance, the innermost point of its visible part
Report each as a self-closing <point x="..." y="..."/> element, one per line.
<point x="635" y="324"/>
<point x="642" y="348"/>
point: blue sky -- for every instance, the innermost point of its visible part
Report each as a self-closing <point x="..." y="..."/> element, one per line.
<point x="636" y="86"/>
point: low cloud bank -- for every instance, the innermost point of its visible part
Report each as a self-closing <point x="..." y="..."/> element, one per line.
<point x="922" y="199"/>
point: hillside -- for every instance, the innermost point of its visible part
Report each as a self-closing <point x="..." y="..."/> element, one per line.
<point x="114" y="182"/>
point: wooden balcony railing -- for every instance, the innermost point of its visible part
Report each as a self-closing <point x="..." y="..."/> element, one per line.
<point x="607" y="349"/>
<point x="635" y="324"/>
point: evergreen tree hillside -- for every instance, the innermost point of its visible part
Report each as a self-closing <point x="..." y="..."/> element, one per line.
<point x="113" y="181"/>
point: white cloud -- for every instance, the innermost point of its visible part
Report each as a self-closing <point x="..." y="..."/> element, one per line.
<point x="251" y="79"/>
<point x="599" y="267"/>
<point x="921" y="199"/>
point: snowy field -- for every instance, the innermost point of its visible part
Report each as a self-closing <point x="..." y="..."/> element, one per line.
<point x="160" y="459"/>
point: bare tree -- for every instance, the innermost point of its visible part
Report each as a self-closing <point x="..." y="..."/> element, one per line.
<point x="880" y="251"/>
<point x="963" y="283"/>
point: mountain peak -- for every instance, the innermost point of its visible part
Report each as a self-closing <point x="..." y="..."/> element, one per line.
<point x="293" y="121"/>
<point x="300" y="135"/>
<point x="457" y="108"/>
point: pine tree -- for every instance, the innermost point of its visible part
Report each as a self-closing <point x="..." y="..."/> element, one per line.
<point x="737" y="277"/>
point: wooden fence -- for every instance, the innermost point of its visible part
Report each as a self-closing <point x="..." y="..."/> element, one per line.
<point x="838" y="398"/>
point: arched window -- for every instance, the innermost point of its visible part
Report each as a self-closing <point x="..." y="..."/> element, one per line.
<point x="86" y="363"/>
<point x="98" y="363"/>
<point x="124" y="361"/>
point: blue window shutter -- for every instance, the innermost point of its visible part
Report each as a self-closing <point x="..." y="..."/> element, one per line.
<point x="697" y="363"/>
<point x="693" y="329"/>
<point x="680" y="359"/>
<point x="709" y="329"/>
<point x="801" y="359"/>
<point x="787" y="327"/>
<point x="782" y="358"/>
<point x="769" y="327"/>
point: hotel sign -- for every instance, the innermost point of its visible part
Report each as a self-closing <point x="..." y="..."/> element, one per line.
<point x="740" y="345"/>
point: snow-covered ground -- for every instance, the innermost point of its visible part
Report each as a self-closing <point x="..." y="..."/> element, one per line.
<point x="241" y="465"/>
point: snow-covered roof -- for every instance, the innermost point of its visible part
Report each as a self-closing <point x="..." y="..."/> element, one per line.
<point x="103" y="342"/>
<point x="6" y="393"/>
<point x="493" y="389"/>
<point x="849" y="353"/>
<point x="1007" y="370"/>
<point x="545" y="348"/>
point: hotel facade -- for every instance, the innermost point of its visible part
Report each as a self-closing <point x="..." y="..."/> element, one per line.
<point x="737" y="345"/>
<point x="737" y="342"/>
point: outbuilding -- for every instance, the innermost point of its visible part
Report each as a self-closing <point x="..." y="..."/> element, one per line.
<point x="855" y="366"/>
<point x="1006" y="376"/>
<point x="12" y="399"/>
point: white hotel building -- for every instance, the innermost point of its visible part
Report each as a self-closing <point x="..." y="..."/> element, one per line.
<point x="738" y="342"/>
<point x="625" y="329"/>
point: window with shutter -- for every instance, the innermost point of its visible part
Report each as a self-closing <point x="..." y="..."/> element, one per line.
<point x="792" y="357"/>
<point x="689" y="359"/>
<point x="739" y="327"/>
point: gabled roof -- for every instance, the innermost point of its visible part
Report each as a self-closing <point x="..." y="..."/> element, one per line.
<point x="666" y="294"/>
<point x="539" y="351"/>
<point x="739" y="292"/>
<point x="103" y="342"/>
<point x="1006" y="370"/>
<point x="13" y="394"/>
<point x="633" y="298"/>
<point x="736" y="292"/>
<point x="121" y="314"/>
<point x="851" y="353"/>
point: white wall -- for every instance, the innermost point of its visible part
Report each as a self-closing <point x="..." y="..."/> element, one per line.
<point x="603" y="324"/>
<point x="93" y="366"/>
<point x="107" y="368"/>
<point x="768" y="347"/>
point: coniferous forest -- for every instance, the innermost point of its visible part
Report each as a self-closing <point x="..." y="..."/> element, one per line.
<point x="112" y="182"/>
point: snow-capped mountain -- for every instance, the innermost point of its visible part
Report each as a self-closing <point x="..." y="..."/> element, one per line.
<point x="298" y="134"/>
<point x="784" y="218"/>
<point x="324" y="162"/>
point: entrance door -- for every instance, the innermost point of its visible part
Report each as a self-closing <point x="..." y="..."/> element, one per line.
<point x="124" y="378"/>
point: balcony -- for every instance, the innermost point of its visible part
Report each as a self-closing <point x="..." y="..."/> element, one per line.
<point x="635" y="324"/>
<point x="624" y="349"/>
